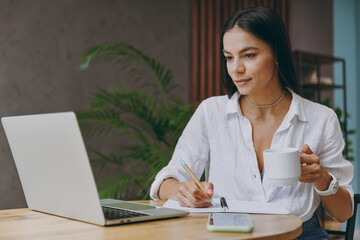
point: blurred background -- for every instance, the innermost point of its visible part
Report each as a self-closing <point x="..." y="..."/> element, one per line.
<point x="40" y="43"/>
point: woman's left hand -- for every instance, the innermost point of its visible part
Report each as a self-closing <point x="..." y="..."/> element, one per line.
<point x="311" y="169"/>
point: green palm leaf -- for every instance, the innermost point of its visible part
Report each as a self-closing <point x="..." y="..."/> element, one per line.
<point x="129" y="56"/>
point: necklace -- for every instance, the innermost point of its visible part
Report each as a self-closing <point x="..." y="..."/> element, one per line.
<point x="266" y="106"/>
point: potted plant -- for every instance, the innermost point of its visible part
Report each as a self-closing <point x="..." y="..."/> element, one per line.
<point x="152" y="120"/>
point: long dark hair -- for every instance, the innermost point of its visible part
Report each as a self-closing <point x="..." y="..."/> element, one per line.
<point x="266" y="24"/>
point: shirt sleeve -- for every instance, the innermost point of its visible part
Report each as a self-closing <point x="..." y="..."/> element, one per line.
<point x="192" y="147"/>
<point x="331" y="156"/>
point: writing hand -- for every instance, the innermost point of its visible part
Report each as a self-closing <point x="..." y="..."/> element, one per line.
<point x="190" y="195"/>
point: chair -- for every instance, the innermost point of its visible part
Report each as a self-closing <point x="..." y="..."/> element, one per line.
<point x="350" y="224"/>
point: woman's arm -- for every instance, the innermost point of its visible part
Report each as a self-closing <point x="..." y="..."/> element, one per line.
<point x="338" y="205"/>
<point x="192" y="147"/>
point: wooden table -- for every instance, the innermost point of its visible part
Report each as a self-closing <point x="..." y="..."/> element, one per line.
<point x="27" y="224"/>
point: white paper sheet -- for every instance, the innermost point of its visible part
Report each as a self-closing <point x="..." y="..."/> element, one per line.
<point x="234" y="206"/>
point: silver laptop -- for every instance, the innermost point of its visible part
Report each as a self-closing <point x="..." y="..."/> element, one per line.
<point x="56" y="175"/>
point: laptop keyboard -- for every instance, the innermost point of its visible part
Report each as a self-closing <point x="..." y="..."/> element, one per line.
<point x="117" y="213"/>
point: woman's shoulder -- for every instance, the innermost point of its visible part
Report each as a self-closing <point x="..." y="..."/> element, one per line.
<point x="217" y="100"/>
<point x="314" y="110"/>
<point x="216" y="104"/>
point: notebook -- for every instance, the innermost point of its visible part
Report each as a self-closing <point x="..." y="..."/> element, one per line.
<point x="234" y="206"/>
<point x="56" y="176"/>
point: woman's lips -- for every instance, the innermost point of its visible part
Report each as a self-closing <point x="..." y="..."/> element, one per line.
<point x="242" y="82"/>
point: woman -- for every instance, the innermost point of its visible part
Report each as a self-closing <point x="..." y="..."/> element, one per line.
<point x="227" y="134"/>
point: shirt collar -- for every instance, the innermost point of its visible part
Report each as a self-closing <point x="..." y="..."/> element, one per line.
<point x="296" y="107"/>
<point x="232" y="105"/>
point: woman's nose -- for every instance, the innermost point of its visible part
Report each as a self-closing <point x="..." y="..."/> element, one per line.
<point x="238" y="67"/>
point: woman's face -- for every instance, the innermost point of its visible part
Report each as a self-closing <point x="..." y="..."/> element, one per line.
<point x="250" y="62"/>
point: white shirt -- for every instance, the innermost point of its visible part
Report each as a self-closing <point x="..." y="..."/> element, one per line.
<point x="218" y="139"/>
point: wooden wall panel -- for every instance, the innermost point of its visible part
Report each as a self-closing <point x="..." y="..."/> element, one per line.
<point x="207" y="19"/>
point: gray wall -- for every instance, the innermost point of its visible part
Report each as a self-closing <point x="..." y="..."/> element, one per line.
<point x="312" y="26"/>
<point x="40" y="41"/>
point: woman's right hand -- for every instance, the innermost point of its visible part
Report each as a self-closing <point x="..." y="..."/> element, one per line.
<point x="190" y="195"/>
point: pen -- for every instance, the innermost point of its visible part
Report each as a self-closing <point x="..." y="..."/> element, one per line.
<point x="223" y="204"/>
<point x="193" y="177"/>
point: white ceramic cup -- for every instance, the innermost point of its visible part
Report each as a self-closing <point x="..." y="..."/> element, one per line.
<point x="282" y="165"/>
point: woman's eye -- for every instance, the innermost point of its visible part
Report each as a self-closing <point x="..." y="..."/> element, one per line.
<point x="249" y="55"/>
<point x="228" y="58"/>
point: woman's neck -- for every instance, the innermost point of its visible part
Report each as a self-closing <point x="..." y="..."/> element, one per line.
<point x="280" y="104"/>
